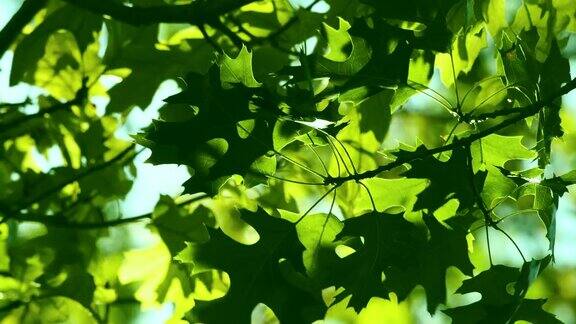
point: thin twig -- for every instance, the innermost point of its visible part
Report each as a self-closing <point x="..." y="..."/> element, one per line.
<point x="448" y="137"/>
<point x="10" y="105"/>
<point x="492" y="95"/>
<point x="287" y="158"/>
<point x="241" y="28"/>
<point x="335" y="149"/>
<point x="347" y="154"/>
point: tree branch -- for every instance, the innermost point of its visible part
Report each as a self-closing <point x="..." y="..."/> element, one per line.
<point x="5" y="127"/>
<point x="195" y="13"/>
<point x="11" y="105"/>
<point x="79" y="176"/>
<point x="61" y="222"/>
<point x="522" y="113"/>
<point x="80" y="96"/>
<point x="10" y="306"/>
<point x="22" y="17"/>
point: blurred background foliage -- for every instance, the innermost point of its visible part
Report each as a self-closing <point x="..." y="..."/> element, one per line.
<point x="91" y="231"/>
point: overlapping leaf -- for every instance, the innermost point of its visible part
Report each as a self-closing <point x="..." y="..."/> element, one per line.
<point x="497" y="305"/>
<point x="396" y="256"/>
<point x="259" y="273"/>
<point x="224" y="138"/>
<point x="447" y="179"/>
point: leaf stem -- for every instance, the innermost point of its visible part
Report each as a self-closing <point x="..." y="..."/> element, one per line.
<point x="476" y="85"/>
<point x="458" y="103"/>
<point x="447" y="105"/>
<point x="315" y="203"/>
<point x="317" y="155"/>
<point x="325" y="223"/>
<point x="511" y="240"/>
<point x="369" y="194"/>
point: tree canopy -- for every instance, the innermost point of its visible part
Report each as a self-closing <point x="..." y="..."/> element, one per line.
<point x="358" y="161"/>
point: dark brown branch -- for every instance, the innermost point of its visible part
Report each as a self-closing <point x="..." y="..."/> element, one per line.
<point x="61" y="222"/>
<point x="218" y="25"/>
<point x="489" y="115"/>
<point x="241" y="28"/>
<point x="80" y="96"/>
<point x="209" y="39"/>
<point x="521" y="113"/>
<point x="5" y="127"/>
<point x="5" y="274"/>
<point x="22" y="17"/>
<point x="79" y="176"/>
<point x="10" y="306"/>
<point x="11" y="105"/>
<point x="195" y="13"/>
<point x="125" y="301"/>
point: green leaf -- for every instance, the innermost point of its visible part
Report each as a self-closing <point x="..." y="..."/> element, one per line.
<point x="434" y="13"/>
<point x="369" y="122"/>
<point x="396" y="256"/>
<point x="541" y="199"/>
<point x="238" y="70"/>
<point x="286" y="132"/>
<point x="465" y="51"/>
<point x="357" y="60"/>
<point x="339" y="42"/>
<point x="132" y="53"/>
<point x="51" y="310"/>
<point x="176" y="227"/>
<point x="317" y="233"/>
<point x="225" y="138"/>
<point x="81" y="23"/>
<point x="448" y="180"/>
<point x="494" y="14"/>
<point x="259" y="273"/>
<point x="388" y="193"/>
<point x="497" y="305"/>
<point x="446" y="248"/>
<point x="493" y="154"/>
